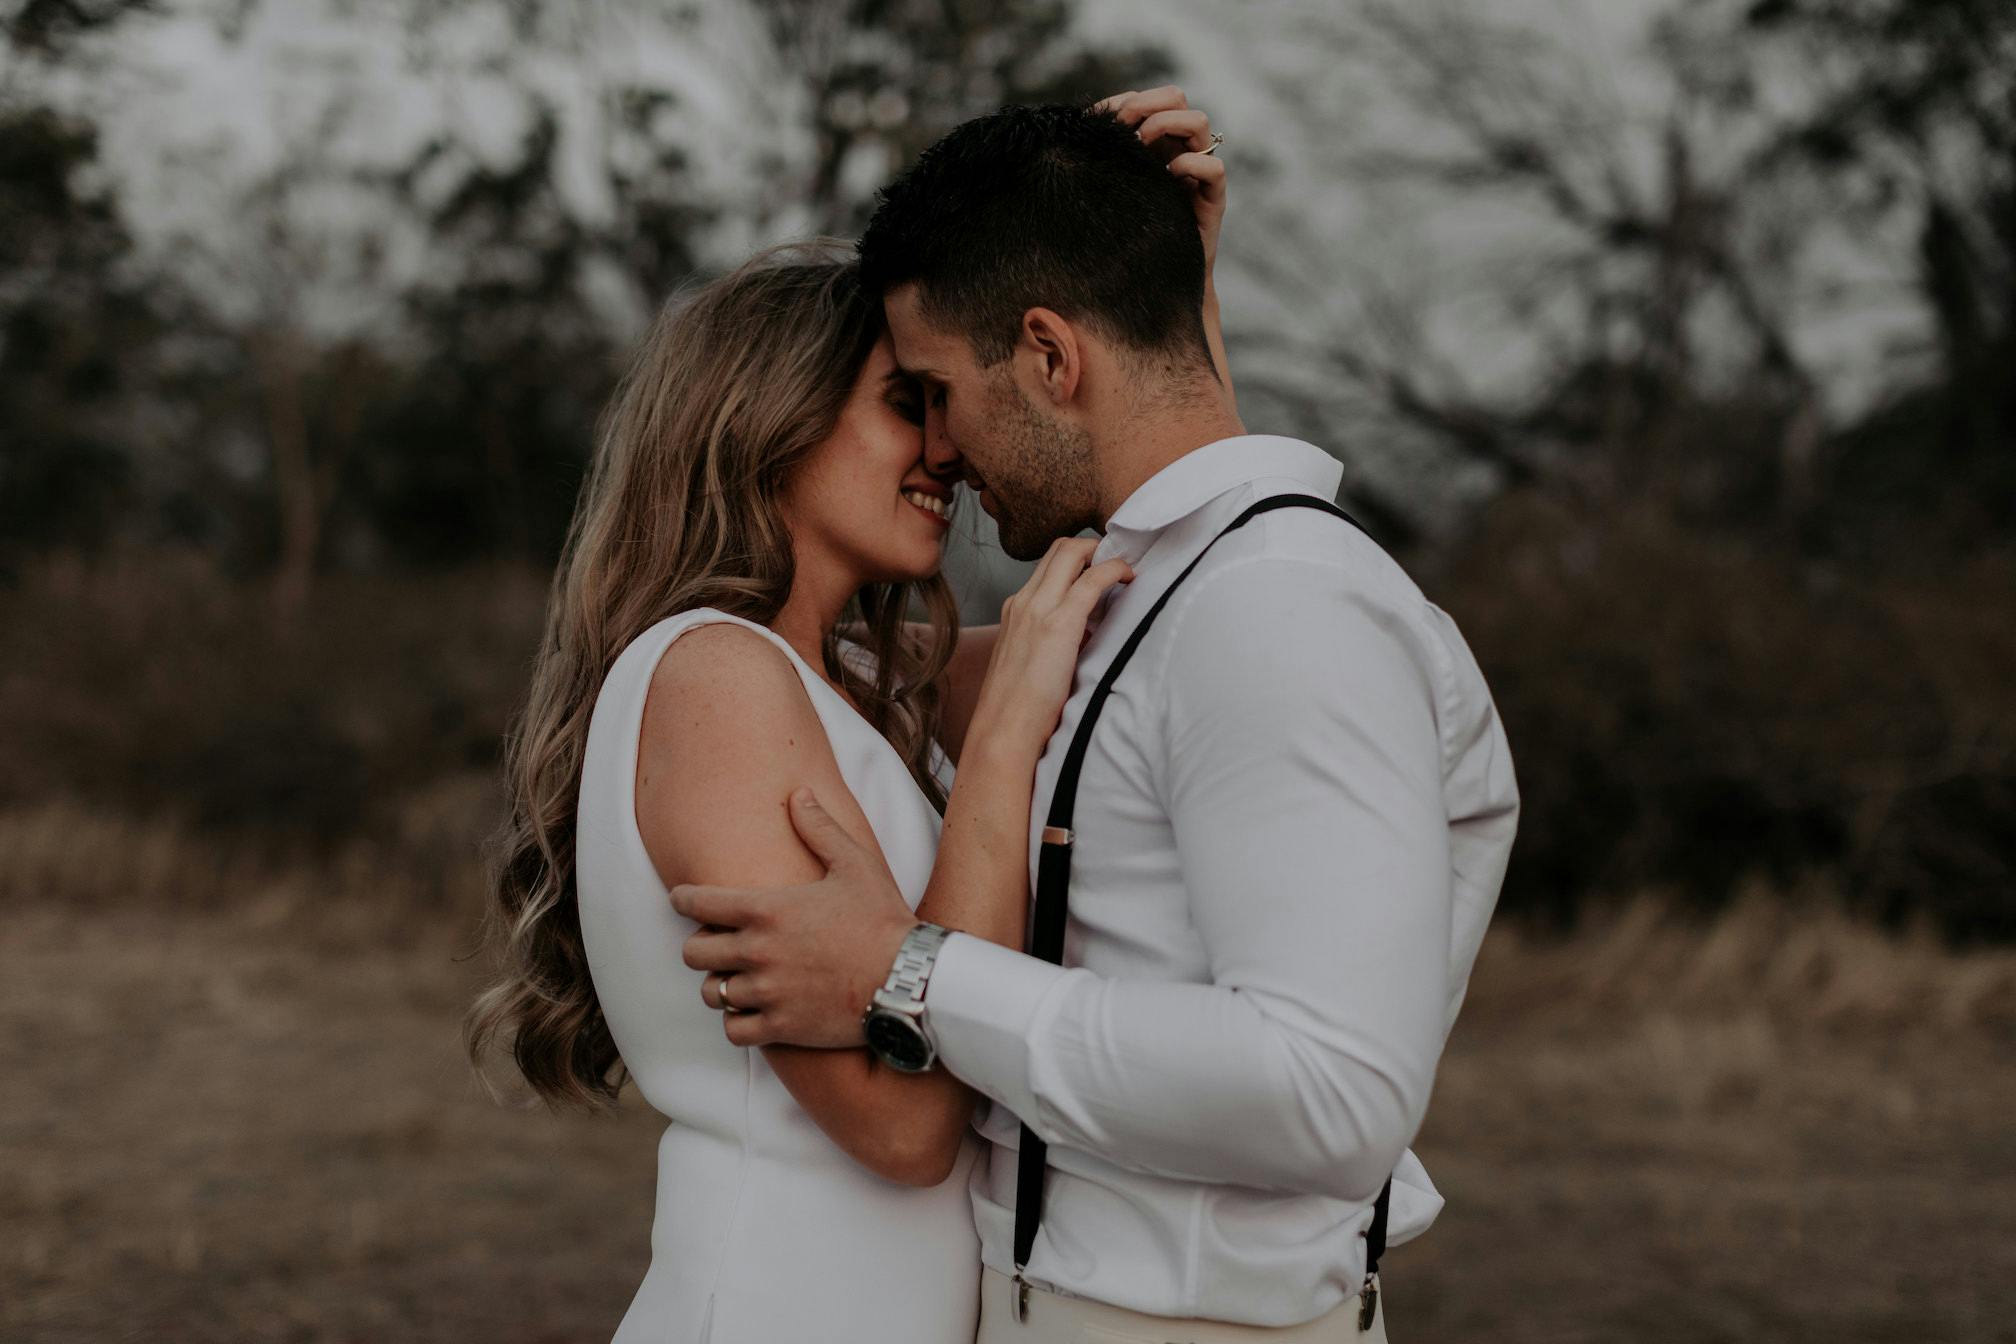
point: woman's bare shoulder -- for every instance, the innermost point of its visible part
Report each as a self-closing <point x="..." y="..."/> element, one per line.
<point x="726" y="687"/>
<point x="729" y="732"/>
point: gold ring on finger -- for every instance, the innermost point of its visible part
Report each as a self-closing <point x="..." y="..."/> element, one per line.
<point x="722" y="990"/>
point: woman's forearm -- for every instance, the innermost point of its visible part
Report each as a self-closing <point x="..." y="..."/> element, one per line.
<point x="980" y="881"/>
<point x="908" y="1127"/>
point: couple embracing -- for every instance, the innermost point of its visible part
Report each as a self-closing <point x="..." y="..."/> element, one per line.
<point x="1082" y="976"/>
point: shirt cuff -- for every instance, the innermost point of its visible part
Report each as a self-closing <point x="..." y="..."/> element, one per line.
<point x="979" y="1006"/>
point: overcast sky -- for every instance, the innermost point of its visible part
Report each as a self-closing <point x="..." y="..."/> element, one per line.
<point x="193" y="119"/>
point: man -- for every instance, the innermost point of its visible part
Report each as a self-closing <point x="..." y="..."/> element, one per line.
<point x="1293" y="815"/>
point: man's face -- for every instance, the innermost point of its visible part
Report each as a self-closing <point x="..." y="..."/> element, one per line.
<point x="1031" y="469"/>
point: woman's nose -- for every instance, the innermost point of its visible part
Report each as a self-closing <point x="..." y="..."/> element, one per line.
<point x="940" y="457"/>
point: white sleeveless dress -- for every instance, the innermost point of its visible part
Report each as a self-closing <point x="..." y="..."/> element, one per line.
<point x="766" y="1233"/>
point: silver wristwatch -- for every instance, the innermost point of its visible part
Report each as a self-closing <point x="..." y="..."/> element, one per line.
<point x="894" y="1022"/>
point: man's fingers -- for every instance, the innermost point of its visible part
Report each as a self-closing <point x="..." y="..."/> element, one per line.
<point x="749" y="992"/>
<point x="825" y="837"/>
<point x="1183" y="128"/>
<point x="747" y="1028"/>
<point x="729" y="907"/>
<point x="708" y="951"/>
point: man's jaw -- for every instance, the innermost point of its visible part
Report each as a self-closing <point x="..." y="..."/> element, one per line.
<point x="981" y="492"/>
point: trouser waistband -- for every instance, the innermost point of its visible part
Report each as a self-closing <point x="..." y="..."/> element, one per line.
<point x="1052" y="1318"/>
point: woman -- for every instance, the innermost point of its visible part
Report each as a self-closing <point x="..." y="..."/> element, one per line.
<point x="761" y="486"/>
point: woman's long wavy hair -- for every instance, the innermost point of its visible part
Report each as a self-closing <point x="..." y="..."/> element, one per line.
<point x="733" y="386"/>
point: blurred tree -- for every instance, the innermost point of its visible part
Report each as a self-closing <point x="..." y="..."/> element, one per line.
<point x="1712" y="601"/>
<point x="480" y="448"/>
<point x="50" y="28"/>
<point x="1912" y="119"/>
<point x="76" y="329"/>
<point x="64" y="329"/>
<point x="1647" y="299"/>
<point x="885" y="78"/>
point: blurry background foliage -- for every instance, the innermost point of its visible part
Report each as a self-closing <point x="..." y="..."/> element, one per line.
<point x="1690" y="396"/>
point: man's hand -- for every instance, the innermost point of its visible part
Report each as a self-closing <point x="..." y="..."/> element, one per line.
<point x="804" y="960"/>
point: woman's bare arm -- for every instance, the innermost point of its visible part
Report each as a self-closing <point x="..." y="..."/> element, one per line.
<point x="729" y="733"/>
<point x="962" y="679"/>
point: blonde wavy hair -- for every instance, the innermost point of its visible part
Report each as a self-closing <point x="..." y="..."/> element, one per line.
<point x="732" y="387"/>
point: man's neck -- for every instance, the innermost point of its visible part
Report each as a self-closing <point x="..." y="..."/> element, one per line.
<point x="1147" y="444"/>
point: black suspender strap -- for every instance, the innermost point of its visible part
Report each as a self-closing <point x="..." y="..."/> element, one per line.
<point x="1053" y="888"/>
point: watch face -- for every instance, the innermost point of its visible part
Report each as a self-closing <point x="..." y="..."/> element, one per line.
<point x="896" y="1040"/>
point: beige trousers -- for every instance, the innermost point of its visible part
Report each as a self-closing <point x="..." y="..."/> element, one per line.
<point x="1056" y="1319"/>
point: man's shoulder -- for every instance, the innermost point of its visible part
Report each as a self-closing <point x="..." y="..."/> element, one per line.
<point x="1305" y="552"/>
<point x="1291" y="604"/>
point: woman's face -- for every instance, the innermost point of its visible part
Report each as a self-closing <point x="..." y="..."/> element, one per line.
<point x="864" y="498"/>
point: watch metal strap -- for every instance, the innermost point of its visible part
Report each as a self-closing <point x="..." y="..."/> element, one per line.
<point x="914" y="960"/>
<point x="1053" y="888"/>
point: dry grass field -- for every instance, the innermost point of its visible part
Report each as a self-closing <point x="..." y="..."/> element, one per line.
<point x="237" y="1111"/>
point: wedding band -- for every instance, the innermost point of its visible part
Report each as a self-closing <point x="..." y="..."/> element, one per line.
<point x="1216" y="140"/>
<point x="722" y="990"/>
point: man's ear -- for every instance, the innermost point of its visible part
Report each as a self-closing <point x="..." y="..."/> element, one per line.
<point x="1051" y="354"/>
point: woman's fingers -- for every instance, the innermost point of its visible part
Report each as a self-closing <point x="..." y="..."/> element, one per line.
<point x="1204" y="174"/>
<point x="1207" y="171"/>
<point x="1034" y="583"/>
<point x="1136" y="104"/>
<point x="1182" y="129"/>
<point x="1057" y="570"/>
<point x="1093" y="583"/>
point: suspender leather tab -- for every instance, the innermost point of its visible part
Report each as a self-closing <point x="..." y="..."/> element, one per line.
<point x="1053" y="899"/>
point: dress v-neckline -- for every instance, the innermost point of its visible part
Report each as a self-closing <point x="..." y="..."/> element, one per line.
<point x="860" y="718"/>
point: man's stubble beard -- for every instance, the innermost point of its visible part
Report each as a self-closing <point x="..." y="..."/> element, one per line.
<point x="1046" y="467"/>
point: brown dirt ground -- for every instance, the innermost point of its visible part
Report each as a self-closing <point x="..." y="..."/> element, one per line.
<point x="240" y="1124"/>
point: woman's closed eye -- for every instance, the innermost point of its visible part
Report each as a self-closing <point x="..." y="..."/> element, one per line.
<point x="906" y="403"/>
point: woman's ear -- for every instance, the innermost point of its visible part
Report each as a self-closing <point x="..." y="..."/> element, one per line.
<point x="1051" y="355"/>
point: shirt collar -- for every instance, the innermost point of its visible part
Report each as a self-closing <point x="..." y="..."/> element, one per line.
<point x="1202" y="475"/>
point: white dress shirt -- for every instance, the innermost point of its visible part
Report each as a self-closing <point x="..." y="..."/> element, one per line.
<point x="1292" y="825"/>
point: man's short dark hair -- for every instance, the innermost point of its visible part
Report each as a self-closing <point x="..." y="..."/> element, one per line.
<point x="1053" y="207"/>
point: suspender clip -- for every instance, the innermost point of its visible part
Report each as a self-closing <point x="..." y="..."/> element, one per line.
<point x="1368" y="1303"/>
<point x="1019" y="1303"/>
<point x="1058" y="835"/>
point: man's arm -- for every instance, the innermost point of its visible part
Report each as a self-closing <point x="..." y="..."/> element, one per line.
<point x="1304" y="788"/>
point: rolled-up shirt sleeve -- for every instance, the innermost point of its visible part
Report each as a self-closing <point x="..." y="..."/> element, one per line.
<point x="1301" y="771"/>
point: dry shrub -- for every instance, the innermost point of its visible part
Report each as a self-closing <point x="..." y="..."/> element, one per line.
<point x="1767" y="955"/>
<point x="159" y="686"/>
<point x="1690" y="710"/>
<point x="69" y="855"/>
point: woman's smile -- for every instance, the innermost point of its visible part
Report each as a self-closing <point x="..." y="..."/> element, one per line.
<point x="936" y="506"/>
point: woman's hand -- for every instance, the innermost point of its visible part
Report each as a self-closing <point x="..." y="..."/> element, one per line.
<point x="1036" y="654"/>
<point x="1166" y="123"/>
